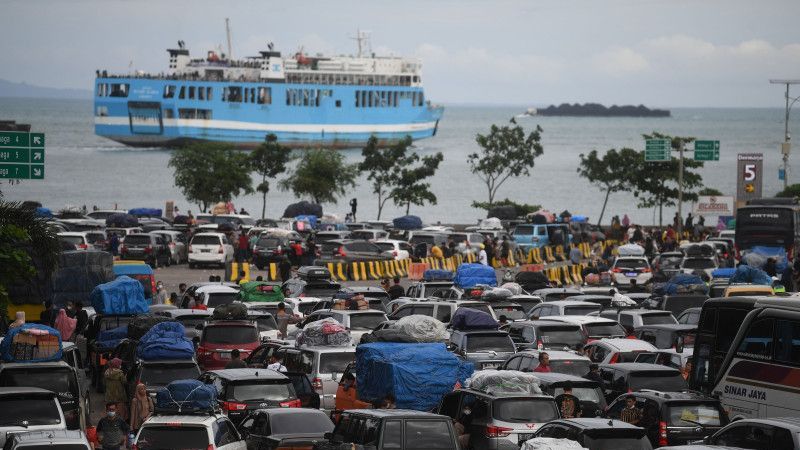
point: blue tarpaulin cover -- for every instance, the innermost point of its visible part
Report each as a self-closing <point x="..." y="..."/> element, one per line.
<point x="108" y="339"/>
<point x="123" y="296"/>
<point x="752" y="275"/>
<point x="779" y="253"/>
<point x="472" y="319"/>
<point x="7" y="351"/>
<point x="166" y="340"/>
<point x="312" y="220"/>
<point x="418" y="375"/>
<point x="471" y="275"/>
<point x="187" y="396"/>
<point x="122" y="221"/>
<point x="679" y="281"/>
<point x="145" y="212"/>
<point x="407" y="223"/>
<point x="579" y="219"/>
<point x="723" y="273"/>
<point x="437" y="275"/>
<point x="44" y="212"/>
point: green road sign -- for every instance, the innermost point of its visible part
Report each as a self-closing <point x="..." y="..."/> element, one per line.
<point x="706" y="145"/>
<point x="706" y="150"/>
<point x="14" y="155"/>
<point x="37" y="156"/>
<point x="657" y="150"/>
<point x="37" y="140"/>
<point x="15" y="171"/>
<point x="14" y="139"/>
<point x="37" y="171"/>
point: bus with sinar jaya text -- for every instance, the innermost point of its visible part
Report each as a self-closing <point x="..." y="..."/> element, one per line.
<point x="759" y="376"/>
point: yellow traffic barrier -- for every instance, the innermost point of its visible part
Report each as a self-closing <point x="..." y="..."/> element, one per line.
<point x="234" y="271"/>
<point x="272" y="273"/>
<point x="548" y="253"/>
<point x="373" y="274"/>
<point x="398" y="268"/>
<point x="565" y="275"/>
<point x="355" y="274"/>
<point x="576" y="273"/>
<point x="240" y="272"/>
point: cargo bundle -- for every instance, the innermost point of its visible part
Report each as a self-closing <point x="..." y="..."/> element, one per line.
<point x="325" y="332"/>
<point x="31" y="343"/>
<point x="186" y="397"/>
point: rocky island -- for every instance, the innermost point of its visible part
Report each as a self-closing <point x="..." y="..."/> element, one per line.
<point x="598" y="110"/>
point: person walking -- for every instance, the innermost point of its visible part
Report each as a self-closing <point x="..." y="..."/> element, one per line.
<point x="396" y="291"/>
<point x="114" y="381"/>
<point x="113" y="244"/>
<point x="48" y="316"/>
<point x="160" y="298"/>
<point x="112" y="431"/>
<point x="242" y="247"/>
<point x="483" y="257"/>
<point x="65" y="325"/>
<point x="236" y="361"/>
<point x="142" y="407"/>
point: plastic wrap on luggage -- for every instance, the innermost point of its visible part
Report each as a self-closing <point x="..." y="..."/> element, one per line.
<point x="496" y="294"/>
<point x="325" y="332"/>
<point x="505" y="382"/>
<point x="515" y="288"/>
<point x="31" y="343"/>
<point x="165" y="340"/>
<point x="421" y="328"/>
<point x="472" y="319"/>
<point x="142" y="323"/>
<point x="752" y="275"/>
<point x="387" y="335"/>
<point x="544" y="443"/>
<point x="122" y="221"/>
<point x="757" y="257"/>
<point x="620" y="301"/>
<point x="471" y="275"/>
<point x="407" y="223"/>
<point x="491" y="223"/>
<point x="186" y="396"/>
<point x="231" y="311"/>
<point x="630" y="250"/>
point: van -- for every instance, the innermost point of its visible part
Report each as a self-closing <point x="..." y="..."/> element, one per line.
<point x="529" y="236"/>
<point x="323" y="365"/>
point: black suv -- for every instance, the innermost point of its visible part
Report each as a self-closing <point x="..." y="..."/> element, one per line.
<point x="151" y="248"/>
<point x="399" y="429"/>
<point x="547" y="333"/>
<point x="270" y="249"/>
<point x="674" y="418"/>
<point x="244" y="390"/>
<point x="349" y="251"/>
<point x="621" y="378"/>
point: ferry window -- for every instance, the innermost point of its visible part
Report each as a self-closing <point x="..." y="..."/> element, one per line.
<point x="209" y="92"/>
<point x="413" y="99"/>
<point x="757" y="342"/>
<point x="201" y="93"/>
<point x="421" y="99"/>
<point x="119" y="89"/>
<point x="169" y="113"/>
<point x="232" y="94"/>
<point x="787" y="342"/>
<point x="187" y="113"/>
<point x="394" y="99"/>
<point x="182" y="93"/>
<point x="264" y="95"/>
<point x="102" y="88"/>
<point x="102" y="111"/>
<point x="191" y="92"/>
<point x="358" y="97"/>
<point x="252" y="95"/>
<point x="204" y="114"/>
<point x="338" y="103"/>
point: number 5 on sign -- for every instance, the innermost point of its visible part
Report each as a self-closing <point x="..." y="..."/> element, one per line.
<point x="749" y="172"/>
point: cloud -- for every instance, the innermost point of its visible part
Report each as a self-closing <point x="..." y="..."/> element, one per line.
<point x="619" y="61"/>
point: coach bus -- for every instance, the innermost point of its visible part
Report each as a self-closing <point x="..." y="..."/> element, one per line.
<point x="759" y="374"/>
<point x="773" y="222"/>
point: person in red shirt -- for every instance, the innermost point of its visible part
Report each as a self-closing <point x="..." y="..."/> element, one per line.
<point x="243" y="247"/>
<point x="544" y="363"/>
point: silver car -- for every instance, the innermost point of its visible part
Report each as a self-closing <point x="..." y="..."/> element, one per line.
<point x="177" y="245"/>
<point x="29" y="409"/>
<point x="487" y="349"/>
<point x="323" y="365"/>
<point x="54" y="439"/>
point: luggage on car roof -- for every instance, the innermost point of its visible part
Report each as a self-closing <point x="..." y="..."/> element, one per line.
<point x="313" y="273"/>
<point x="122" y="296"/>
<point x="142" y="323"/>
<point x="31" y="342"/>
<point x="186" y="396"/>
<point x="165" y="340"/>
<point x="325" y="332"/>
<point x="231" y="311"/>
<point x="437" y="275"/>
<point x="472" y="319"/>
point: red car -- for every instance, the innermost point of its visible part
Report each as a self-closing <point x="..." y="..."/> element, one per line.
<point x="219" y="338"/>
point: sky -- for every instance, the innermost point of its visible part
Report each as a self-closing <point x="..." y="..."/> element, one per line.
<point x="671" y="53"/>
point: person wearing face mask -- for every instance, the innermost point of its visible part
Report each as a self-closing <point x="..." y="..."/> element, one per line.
<point x="112" y="431"/>
<point x="160" y="297"/>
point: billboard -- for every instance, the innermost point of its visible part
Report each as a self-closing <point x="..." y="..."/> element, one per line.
<point x="749" y="177"/>
<point x="712" y="205"/>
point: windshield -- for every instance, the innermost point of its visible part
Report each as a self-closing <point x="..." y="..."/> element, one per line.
<point x="584" y="394"/>
<point x="677" y="305"/>
<point x="205" y="240"/>
<point x="62" y="381"/>
<point x="268" y="242"/>
<point x="36" y="411"/>
<point x="577" y="367"/>
<point x="173" y="437"/>
<point x="527" y="304"/>
<point x="523" y="230"/>
<point x="770" y="226"/>
<point x="524" y="410"/>
<point x="300" y="422"/>
<point x="567" y="335"/>
<point x="685" y="415"/>
<point x="137" y="239"/>
<point x="489" y="342"/>
<point x="631" y="264"/>
<point x="362" y="322"/>
<point x="604" y="329"/>
<point x="657" y="381"/>
<point x="262" y="391"/>
<point x="163" y="374"/>
<point x="477" y="307"/>
<point x="230" y="335"/>
<point x="618" y="443"/>
<point x="93" y="238"/>
<point x="580" y="310"/>
<point x="670" y="262"/>
<point x="698" y="263"/>
<point x="265" y="322"/>
<point x="74" y="240"/>
<point x="658" y="319"/>
<point x="335" y="362"/>
<point x="512" y="312"/>
<point x="416" y="239"/>
<point x="221" y="298"/>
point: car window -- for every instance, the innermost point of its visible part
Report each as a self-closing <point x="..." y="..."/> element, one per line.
<point x="428" y="435"/>
<point x="489" y="342"/>
<point x="745" y="436"/>
<point x="403" y="311"/>
<point x="137" y="239"/>
<point x="688" y="414"/>
<point x="204" y="240"/>
<point x="658" y="319"/>
<point x="524" y="410"/>
<point x="581" y="310"/>
<point x="392" y="434"/>
<point x="36" y="411"/>
<point x="251" y="391"/>
<point x="425" y="310"/>
<point x="62" y="381"/>
<point x="230" y="335"/>
<point x="335" y="362"/>
<point x="163" y="374"/>
<point x="181" y="438"/>
<point x="513" y="363"/>
<point x="224" y="433"/>
<point x="361" y="322"/>
<point x="631" y="264"/>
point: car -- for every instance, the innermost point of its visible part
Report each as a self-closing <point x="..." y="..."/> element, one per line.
<point x="301" y="306"/>
<point x="370" y="293"/>
<point x="26" y="409"/>
<point x="237" y="221"/>
<point x="73" y="356"/>
<point x="103" y="214"/>
<point x="545" y="334"/>
<point x="369" y="235"/>
<point x="209" y="248"/>
<point x="627" y="268"/>
<point x="243" y="390"/>
<point x="214" y="295"/>
<point x="563" y="308"/>
<point x="400" y="429"/>
<point x="616" y="350"/>
<point x="594" y="327"/>
<point x="269" y="249"/>
<point x="467" y="242"/>
<point x="359" y="322"/>
<point x="773" y="433"/>
<point x="665" y="336"/>
<point x="322" y="365"/>
<point x="631" y="319"/>
<point x="427" y="238"/>
<point x="148" y="247"/>
<point x="208" y="431"/>
<point x="701" y="266"/>
<point x="57" y="376"/>
<point x="157" y="374"/>
<point x="398" y="250"/>
<point x="597" y="434"/>
<point x="428" y="289"/>
<point x="348" y="251"/>
<point x="675" y="304"/>
<point x="530" y="235"/>
<point x="267" y="325"/>
<point x="271" y="429"/>
<point x="727" y="253"/>
<point x="190" y="293"/>
<point x="552" y="294"/>
<point x="589" y="393"/>
<point x="220" y="337"/>
<point x="690" y="316"/>
<point x="97" y="239"/>
<point x="666" y="357"/>
<point x="49" y="439"/>
<point x="441" y="310"/>
<point x="498" y="420"/>
<point x="76" y="239"/>
<point x="666" y="265"/>
<point x="486" y="349"/>
<point x="622" y="378"/>
<point x="190" y="319"/>
<point x="674" y="418"/>
<point x="122" y="232"/>
<point x="561" y="361"/>
<point x="298" y="287"/>
<point x="526" y="301"/>
<point x="176" y="241"/>
<point x="327" y="236"/>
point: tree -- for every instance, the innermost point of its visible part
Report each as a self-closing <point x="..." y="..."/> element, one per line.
<point x="383" y="167"/>
<point x="409" y="188"/>
<point x="269" y="160"/>
<point x="520" y="209"/>
<point x="657" y="184"/>
<point x="321" y="175"/>
<point x="710" y="192"/>
<point x="611" y="173"/>
<point x="505" y="152"/>
<point x="209" y="172"/>
<point x="791" y="191"/>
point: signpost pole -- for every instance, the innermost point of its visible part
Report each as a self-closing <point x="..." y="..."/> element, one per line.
<point x="680" y="192"/>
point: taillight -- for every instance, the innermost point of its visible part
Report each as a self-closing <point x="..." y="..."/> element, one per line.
<point x="134" y="447"/>
<point x="210" y="447"/>
<point x="646" y="270"/>
<point x="290" y="404"/>
<point x="493" y="431"/>
<point x="539" y="344"/>
<point x="341" y="251"/>
<point x="83" y="246"/>
<point x="614" y="358"/>
<point x="662" y="434"/>
<point x="616" y="270"/>
<point x="233" y="406"/>
<point x="221" y="249"/>
<point x="316" y="383"/>
<point x="202" y="351"/>
<point x="153" y="285"/>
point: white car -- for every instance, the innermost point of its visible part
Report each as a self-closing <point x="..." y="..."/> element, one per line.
<point x="398" y="249"/>
<point x="78" y="239"/>
<point x="212" y="431"/>
<point x="214" y="295"/>
<point x="612" y="351"/>
<point x="699" y="264"/>
<point x="369" y="235"/>
<point x="209" y="248"/>
<point x="302" y="306"/>
<point x="594" y="327"/>
<point x="561" y="361"/>
<point x="627" y="268"/>
<point x="563" y="308"/>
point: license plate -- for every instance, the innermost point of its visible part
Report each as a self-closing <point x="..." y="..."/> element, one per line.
<point x="205" y="251"/>
<point x="491" y="365"/>
<point x="224" y="355"/>
<point x="631" y="274"/>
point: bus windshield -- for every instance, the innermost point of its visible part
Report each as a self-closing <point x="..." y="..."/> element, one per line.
<point x="769" y="226"/>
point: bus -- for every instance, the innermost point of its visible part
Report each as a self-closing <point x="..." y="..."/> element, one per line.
<point x="773" y="222"/>
<point x="759" y="376"/>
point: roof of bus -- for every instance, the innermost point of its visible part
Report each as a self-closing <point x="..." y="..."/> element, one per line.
<point x="132" y="269"/>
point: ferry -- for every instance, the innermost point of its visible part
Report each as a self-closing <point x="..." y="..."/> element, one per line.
<point x="306" y="101"/>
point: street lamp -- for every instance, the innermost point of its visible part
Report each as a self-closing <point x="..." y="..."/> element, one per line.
<point x="786" y="147"/>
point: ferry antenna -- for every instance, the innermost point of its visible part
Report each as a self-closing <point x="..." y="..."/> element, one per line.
<point x="228" y="35"/>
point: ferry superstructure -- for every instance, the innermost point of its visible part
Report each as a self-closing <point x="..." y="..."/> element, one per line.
<point x="307" y="101"/>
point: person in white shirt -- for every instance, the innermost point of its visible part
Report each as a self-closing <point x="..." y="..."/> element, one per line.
<point x="276" y="364"/>
<point x="482" y="256"/>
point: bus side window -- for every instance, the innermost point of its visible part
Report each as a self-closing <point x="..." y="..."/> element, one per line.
<point x="787" y="342"/>
<point x="757" y="342"/>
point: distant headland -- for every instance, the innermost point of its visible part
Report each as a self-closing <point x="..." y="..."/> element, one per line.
<point x="598" y="110"/>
